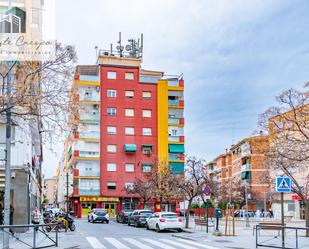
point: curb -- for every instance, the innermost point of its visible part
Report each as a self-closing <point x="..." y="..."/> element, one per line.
<point x="183" y="237"/>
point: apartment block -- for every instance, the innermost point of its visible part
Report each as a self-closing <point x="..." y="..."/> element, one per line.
<point x="129" y="120"/>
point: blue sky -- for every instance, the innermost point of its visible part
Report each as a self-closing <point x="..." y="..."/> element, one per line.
<point x="236" y="56"/>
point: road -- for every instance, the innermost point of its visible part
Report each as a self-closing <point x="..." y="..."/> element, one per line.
<point x="121" y="236"/>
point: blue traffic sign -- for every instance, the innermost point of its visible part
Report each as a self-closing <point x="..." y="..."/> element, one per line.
<point x="283" y="184"/>
<point x="207" y="191"/>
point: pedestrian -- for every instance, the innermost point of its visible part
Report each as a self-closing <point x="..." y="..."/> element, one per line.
<point x="262" y="213"/>
<point x="36" y="217"/>
<point x="271" y="214"/>
<point x="11" y="217"/>
<point x="258" y="214"/>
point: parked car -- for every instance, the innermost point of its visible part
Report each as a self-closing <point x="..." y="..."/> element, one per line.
<point x="98" y="215"/>
<point x="123" y="216"/>
<point x="139" y="217"/>
<point x="164" y="221"/>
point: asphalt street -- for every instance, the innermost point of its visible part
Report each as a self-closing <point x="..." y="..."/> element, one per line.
<point x="121" y="236"/>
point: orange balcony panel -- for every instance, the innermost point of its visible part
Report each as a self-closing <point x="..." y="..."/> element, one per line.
<point x="181" y="103"/>
<point x="76" y="153"/>
<point x="76" y="135"/>
<point x="182" y="121"/>
<point x="182" y="139"/>
<point x="76" y="77"/>
<point x="75" y="172"/>
<point x="181" y="83"/>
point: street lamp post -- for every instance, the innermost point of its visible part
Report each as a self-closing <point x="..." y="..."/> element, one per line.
<point x="247" y="214"/>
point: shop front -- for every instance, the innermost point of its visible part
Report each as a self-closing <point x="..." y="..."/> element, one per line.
<point x="110" y="204"/>
<point x="87" y="203"/>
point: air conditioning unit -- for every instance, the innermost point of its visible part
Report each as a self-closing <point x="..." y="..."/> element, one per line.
<point x="96" y="107"/>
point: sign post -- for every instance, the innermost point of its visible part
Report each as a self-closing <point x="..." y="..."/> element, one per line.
<point x="207" y="193"/>
<point x="283" y="185"/>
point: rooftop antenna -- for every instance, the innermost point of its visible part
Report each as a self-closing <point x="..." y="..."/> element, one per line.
<point x="119" y="47"/>
<point x="111" y="52"/>
<point x="96" y="52"/>
<point x="142" y="45"/>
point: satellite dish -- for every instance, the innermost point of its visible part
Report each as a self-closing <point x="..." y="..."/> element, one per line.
<point x="128" y="47"/>
<point x="119" y="47"/>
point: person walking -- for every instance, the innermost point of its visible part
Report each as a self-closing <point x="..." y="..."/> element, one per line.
<point x="36" y="217"/>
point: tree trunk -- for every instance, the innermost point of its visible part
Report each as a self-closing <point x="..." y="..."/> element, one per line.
<point x="144" y="203"/>
<point x="307" y="216"/>
<point x="188" y="214"/>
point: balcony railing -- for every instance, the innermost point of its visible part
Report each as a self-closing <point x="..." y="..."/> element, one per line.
<point x="89" y="153"/>
<point x="90" y="117"/>
<point x="180" y="139"/>
<point x="176" y="156"/>
<point x="89" y="191"/>
<point x="173" y="83"/>
<point x="173" y="102"/>
<point x="176" y="120"/>
<point x="91" y="78"/>
<point x="89" y="173"/>
<point x="90" y="135"/>
<point x="91" y="97"/>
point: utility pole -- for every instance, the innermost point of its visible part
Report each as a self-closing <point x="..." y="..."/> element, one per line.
<point x="67" y="176"/>
<point x="7" y="187"/>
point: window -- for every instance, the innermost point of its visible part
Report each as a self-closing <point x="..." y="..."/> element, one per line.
<point x="146" y="95"/>
<point x="129" y="76"/>
<point x="111" y="111"/>
<point x="146" y="168"/>
<point x="111" y="148"/>
<point x="111" y="185"/>
<point x="111" y="93"/>
<point x="111" y="167"/>
<point x="129" y="167"/>
<point x="129" y="130"/>
<point x="129" y="185"/>
<point x="129" y="112"/>
<point x="129" y="94"/>
<point x="111" y="75"/>
<point x="147" y="113"/>
<point x="112" y="130"/>
<point x="147" y="132"/>
<point x="147" y="149"/>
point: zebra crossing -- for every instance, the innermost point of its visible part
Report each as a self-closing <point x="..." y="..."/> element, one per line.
<point x="146" y="243"/>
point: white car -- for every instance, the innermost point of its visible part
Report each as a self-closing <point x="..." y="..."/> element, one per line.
<point x="164" y="221"/>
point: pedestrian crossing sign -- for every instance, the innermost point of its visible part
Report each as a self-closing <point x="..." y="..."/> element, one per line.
<point x="283" y="184"/>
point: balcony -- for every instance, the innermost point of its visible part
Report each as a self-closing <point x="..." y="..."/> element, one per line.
<point x="89" y="191"/>
<point x="175" y="102"/>
<point x="176" y="139"/>
<point x="87" y="135"/>
<point x="173" y="82"/>
<point x="89" y="153"/>
<point x="177" y="168"/>
<point x="89" y="173"/>
<point x="90" y="97"/>
<point x="177" y="121"/>
<point x="89" y="78"/>
<point x="176" y="156"/>
<point x="90" y="117"/>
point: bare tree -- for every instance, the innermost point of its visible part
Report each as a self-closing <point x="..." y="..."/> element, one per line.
<point x="40" y="91"/>
<point x="194" y="182"/>
<point x="141" y="188"/>
<point x="288" y="126"/>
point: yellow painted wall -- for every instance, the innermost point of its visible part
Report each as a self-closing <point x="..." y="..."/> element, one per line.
<point x="162" y="121"/>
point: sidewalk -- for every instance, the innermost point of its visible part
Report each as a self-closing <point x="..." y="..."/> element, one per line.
<point x="244" y="238"/>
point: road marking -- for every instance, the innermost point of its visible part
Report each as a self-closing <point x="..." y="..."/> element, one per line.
<point x="196" y="244"/>
<point x="95" y="243"/>
<point x="159" y="244"/>
<point x="137" y="243"/>
<point x="177" y="244"/>
<point x="117" y="243"/>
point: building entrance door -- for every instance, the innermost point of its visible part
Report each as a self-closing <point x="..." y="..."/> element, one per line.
<point x="110" y="208"/>
<point x="87" y="207"/>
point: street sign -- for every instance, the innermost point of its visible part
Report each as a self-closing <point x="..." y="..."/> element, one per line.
<point x="283" y="184"/>
<point x="207" y="191"/>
